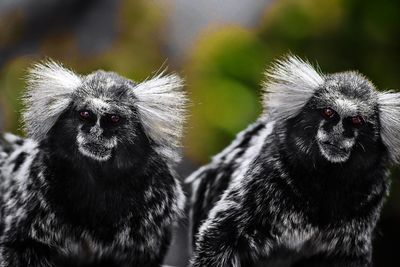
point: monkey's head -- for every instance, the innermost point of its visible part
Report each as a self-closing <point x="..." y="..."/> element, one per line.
<point x="332" y="118"/>
<point x="103" y="116"/>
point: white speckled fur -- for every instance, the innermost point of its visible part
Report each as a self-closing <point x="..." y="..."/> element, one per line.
<point x="257" y="202"/>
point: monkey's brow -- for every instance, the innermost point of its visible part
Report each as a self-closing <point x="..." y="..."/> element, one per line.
<point x="113" y="108"/>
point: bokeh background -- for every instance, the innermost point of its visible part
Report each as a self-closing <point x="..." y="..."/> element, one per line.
<point x="221" y="47"/>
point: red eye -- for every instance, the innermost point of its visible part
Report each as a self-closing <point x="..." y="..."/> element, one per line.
<point x="328" y="113"/>
<point x="84" y="114"/>
<point x="357" y="121"/>
<point x="115" y="118"/>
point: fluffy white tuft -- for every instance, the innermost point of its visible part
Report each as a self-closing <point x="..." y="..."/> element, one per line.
<point x="162" y="102"/>
<point x="49" y="89"/>
<point x="389" y="106"/>
<point x="290" y="84"/>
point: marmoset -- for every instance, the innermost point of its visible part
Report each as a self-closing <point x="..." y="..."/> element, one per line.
<point x="93" y="184"/>
<point x="303" y="185"/>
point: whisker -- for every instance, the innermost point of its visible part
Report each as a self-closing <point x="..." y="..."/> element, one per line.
<point x="310" y="146"/>
<point x="362" y="147"/>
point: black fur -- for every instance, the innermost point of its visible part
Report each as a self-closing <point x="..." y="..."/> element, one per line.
<point x="63" y="207"/>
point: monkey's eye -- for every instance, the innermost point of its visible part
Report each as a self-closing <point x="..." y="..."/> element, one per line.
<point x="85" y="114"/>
<point x="328" y="113"/>
<point x="357" y="121"/>
<point x="114" y="119"/>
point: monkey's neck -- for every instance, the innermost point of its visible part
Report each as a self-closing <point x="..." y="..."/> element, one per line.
<point x="329" y="192"/>
<point x="92" y="195"/>
<point x="337" y="193"/>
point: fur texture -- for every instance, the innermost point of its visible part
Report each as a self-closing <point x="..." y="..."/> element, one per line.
<point x="92" y="185"/>
<point x="304" y="185"/>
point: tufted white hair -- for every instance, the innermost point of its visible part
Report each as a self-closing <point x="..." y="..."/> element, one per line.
<point x="162" y="102"/>
<point x="48" y="94"/>
<point x="389" y="107"/>
<point x="289" y="85"/>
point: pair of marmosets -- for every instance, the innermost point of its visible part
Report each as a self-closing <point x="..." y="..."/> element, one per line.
<point x="94" y="183"/>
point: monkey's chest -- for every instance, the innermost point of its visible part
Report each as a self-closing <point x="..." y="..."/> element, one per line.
<point x="295" y="245"/>
<point x="339" y="207"/>
<point x="82" y="244"/>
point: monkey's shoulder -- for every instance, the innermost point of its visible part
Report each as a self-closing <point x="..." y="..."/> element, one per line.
<point x="16" y="157"/>
<point x="232" y="161"/>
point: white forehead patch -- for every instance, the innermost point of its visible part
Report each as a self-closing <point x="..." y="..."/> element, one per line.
<point x="346" y="107"/>
<point x="98" y="105"/>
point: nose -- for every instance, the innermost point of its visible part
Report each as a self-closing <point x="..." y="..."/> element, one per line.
<point x="337" y="131"/>
<point x="96" y="130"/>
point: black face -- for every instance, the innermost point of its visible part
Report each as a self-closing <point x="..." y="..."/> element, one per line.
<point x="332" y="134"/>
<point x="82" y="134"/>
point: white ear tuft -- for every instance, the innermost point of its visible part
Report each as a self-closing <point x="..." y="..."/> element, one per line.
<point x="389" y="107"/>
<point x="48" y="94"/>
<point x="290" y="84"/>
<point x="162" y="107"/>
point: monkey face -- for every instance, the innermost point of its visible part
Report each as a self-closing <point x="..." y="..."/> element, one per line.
<point x="347" y="104"/>
<point x="101" y="122"/>
<point x="339" y="121"/>
<point x="103" y="116"/>
<point x="98" y="130"/>
<point x="337" y="134"/>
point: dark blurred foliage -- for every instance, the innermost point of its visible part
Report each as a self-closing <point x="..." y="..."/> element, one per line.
<point x="224" y="74"/>
<point x="224" y="69"/>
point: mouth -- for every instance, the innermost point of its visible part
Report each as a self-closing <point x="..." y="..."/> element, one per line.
<point x="95" y="151"/>
<point x="333" y="152"/>
<point x="99" y="149"/>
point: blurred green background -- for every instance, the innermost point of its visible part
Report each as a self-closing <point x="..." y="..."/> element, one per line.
<point x="222" y="49"/>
